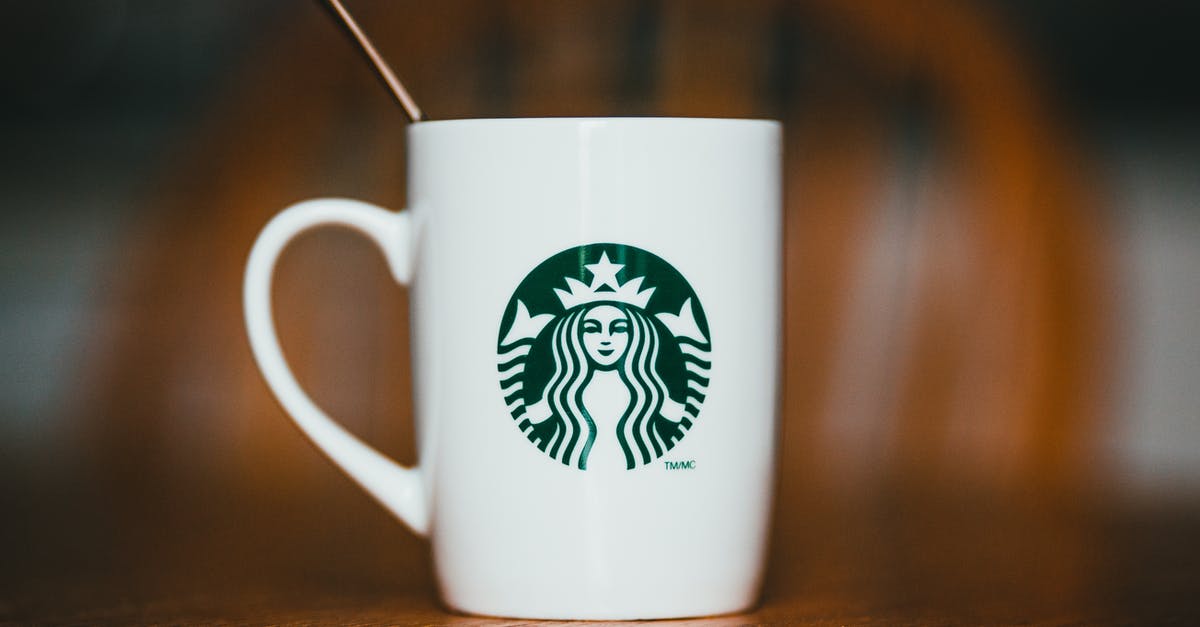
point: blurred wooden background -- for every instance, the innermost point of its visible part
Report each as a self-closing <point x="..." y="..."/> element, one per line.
<point x="945" y="269"/>
<point x="947" y="319"/>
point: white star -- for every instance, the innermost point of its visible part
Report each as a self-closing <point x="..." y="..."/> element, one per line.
<point x="604" y="272"/>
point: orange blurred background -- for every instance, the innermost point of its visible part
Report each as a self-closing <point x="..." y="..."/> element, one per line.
<point x="992" y="248"/>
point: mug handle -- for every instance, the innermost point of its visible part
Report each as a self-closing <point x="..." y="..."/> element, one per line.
<point x="397" y="488"/>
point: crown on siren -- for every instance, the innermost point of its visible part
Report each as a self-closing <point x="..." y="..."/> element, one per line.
<point x="605" y="287"/>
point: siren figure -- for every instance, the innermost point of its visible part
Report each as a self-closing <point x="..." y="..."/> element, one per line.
<point x="605" y="398"/>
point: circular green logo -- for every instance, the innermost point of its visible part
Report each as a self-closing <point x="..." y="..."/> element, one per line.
<point x="604" y="356"/>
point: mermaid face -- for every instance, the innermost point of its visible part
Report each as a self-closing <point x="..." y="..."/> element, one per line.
<point x="605" y="335"/>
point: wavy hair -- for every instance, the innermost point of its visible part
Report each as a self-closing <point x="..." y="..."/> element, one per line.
<point x="569" y="433"/>
<point x="575" y="430"/>
<point x="636" y="431"/>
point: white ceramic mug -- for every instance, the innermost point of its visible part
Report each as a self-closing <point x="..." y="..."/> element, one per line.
<point x="595" y="331"/>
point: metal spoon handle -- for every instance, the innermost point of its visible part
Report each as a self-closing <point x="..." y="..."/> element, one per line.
<point x="381" y="67"/>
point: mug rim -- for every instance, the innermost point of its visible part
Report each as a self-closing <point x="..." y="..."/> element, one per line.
<point x="642" y="119"/>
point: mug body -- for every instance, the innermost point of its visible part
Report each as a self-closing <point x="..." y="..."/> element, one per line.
<point x="595" y="324"/>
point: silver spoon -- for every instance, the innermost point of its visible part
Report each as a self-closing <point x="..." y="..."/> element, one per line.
<point x="381" y="67"/>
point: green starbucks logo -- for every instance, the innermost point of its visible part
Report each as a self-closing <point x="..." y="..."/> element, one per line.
<point x="604" y="356"/>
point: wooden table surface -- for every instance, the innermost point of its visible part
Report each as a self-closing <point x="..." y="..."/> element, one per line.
<point x="177" y="554"/>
